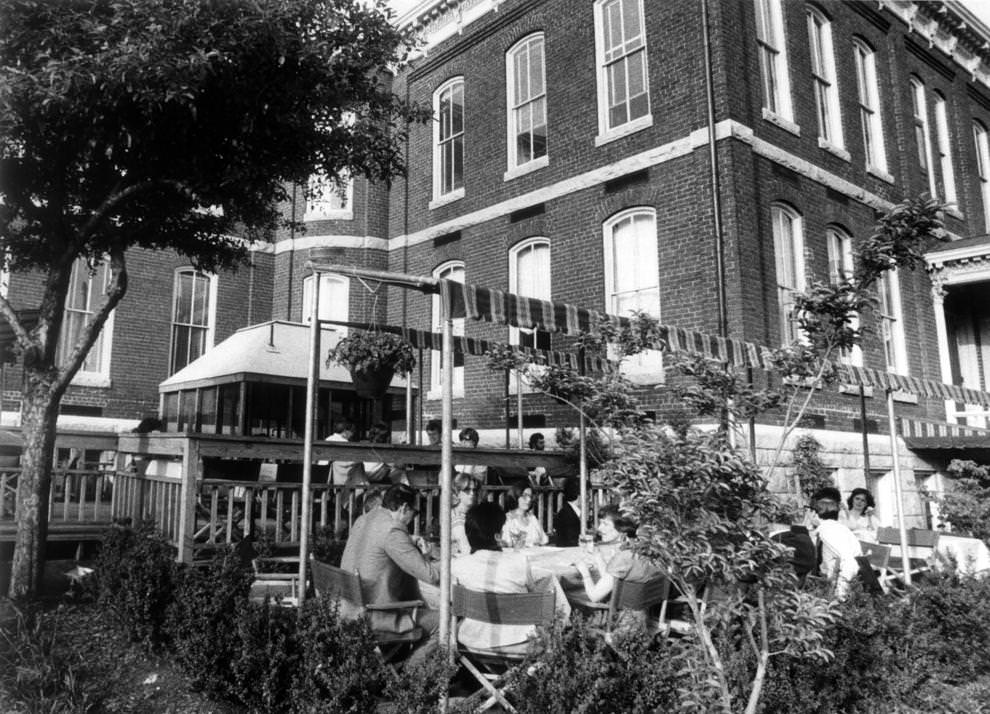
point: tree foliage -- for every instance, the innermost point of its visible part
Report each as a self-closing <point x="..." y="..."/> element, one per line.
<point x="967" y="506"/>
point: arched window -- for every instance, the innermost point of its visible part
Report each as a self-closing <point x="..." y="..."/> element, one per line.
<point x="983" y="169"/>
<point x="840" y="268"/>
<point x="452" y="270"/>
<point x="193" y="316"/>
<point x="526" y="90"/>
<point x="329" y="198"/>
<point x="87" y="286"/>
<point x="529" y="276"/>
<point x="448" y="144"/>
<point x="892" y="322"/>
<point x="334" y="299"/>
<point x="788" y="249"/>
<point x="868" y="96"/>
<point x="943" y="146"/>
<point x="823" y="78"/>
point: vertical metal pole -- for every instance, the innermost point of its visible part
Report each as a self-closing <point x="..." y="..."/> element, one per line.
<point x="519" y="410"/>
<point x="898" y="496"/>
<point x="446" y="464"/>
<point x="508" y="412"/>
<point x="583" y="473"/>
<point x="866" y="436"/>
<point x="409" y="408"/>
<point x="312" y="387"/>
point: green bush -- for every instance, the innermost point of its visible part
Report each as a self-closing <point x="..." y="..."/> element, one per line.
<point x="339" y="668"/>
<point x="202" y="621"/>
<point x="136" y="576"/>
<point x="417" y="688"/>
<point x="266" y="658"/>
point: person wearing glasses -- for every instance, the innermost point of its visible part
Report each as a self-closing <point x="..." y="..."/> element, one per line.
<point x="390" y="562"/>
<point x="466" y="491"/>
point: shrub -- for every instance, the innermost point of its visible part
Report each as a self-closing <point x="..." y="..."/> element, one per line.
<point x="417" y="688"/>
<point x="202" y="621"/>
<point x="135" y="575"/>
<point x="266" y="656"/>
<point x="339" y="668"/>
<point x="967" y="506"/>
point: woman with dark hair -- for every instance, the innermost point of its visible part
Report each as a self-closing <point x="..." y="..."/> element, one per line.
<point x="861" y="518"/>
<point x="490" y="569"/>
<point x="466" y="491"/>
<point x="522" y="529"/>
<point x="624" y="565"/>
<point x="609" y="537"/>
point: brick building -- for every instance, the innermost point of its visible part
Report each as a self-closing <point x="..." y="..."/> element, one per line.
<point x="570" y="159"/>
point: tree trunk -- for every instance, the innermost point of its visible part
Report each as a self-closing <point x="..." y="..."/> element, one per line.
<point x="39" y="414"/>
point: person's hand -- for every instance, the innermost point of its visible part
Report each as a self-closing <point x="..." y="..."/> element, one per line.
<point x="599" y="562"/>
<point x="582" y="568"/>
<point x="422" y="544"/>
<point x="869" y="511"/>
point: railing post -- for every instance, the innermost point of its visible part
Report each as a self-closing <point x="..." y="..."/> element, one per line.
<point x="191" y="467"/>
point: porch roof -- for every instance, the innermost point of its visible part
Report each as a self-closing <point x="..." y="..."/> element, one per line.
<point x="268" y="351"/>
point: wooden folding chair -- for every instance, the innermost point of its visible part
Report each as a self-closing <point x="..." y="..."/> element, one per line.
<point x="339" y="584"/>
<point x="877" y="557"/>
<point x="489" y="666"/>
<point x="921" y="548"/>
<point x="271" y="583"/>
<point x="629" y="595"/>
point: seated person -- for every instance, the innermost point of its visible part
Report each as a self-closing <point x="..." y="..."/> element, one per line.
<point x="522" y="528"/>
<point x="390" y="563"/>
<point x="567" y="521"/>
<point x="538" y="476"/>
<point x="466" y="492"/>
<point x="795" y="536"/>
<point x="469" y="437"/>
<point x="609" y="538"/>
<point x="349" y="473"/>
<point x="839" y="546"/>
<point x="861" y="518"/>
<point x="490" y="569"/>
<point x="377" y="471"/>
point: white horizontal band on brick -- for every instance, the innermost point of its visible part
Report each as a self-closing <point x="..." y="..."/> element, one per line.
<point x="331" y="241"/>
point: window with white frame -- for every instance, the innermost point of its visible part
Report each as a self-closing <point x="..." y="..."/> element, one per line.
<point x="840" y="269"/>
<point x="788" y="247"/>
<point x="892" y="323"/>
<point x="823" y="77"/>
<point x="193" y="311"/>
<point x="623" y="81"/>
<point x="632" y="277"/>
<point x="773" y="58"/>
<point x="329" y="198"/>
<point x="943" y="146"/>
<point x="335" y="293"/>
<point x="453" y="270"/>
<point x="529" y="276"/>
<point x="983" y="169"/>
<point x="527" y="102"/>
<point x="87" y="288"/>
<point x="448" y="145"/>
<point x="922" y="132"/>
<point x="868" y="95"/>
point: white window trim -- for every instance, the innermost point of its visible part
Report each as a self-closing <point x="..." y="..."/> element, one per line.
<point x="831" y="133"/>
<point x="899" y="345"/>
<point x="211" y="310"/>
<point x="646" y="368"/>
<point x="943" y="144"/>
<point x="435" y="390"/>
<point x="868" y="87"/>
<point x="333" y="214"/>
<point x="97" y="378"/>
<point x="784" y="109"/>
<point x="514" y="252"/>
<point x="838" y="239"/>
<point x="785" y="324"/>
<point x="512" y="168"/>
<point x="783" y="122"/>
<point x="607" y="134"/>
<point x="440" y="198"/>
<point x="981" y="139"/>
<point x="920" y="102"/>
<point x="341" y="330"/>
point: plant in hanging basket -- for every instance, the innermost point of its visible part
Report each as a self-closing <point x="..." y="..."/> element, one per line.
<point x="373" y="357"/>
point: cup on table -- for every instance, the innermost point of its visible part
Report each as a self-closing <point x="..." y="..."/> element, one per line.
<point x="518" y="540"/>
<point x="587" y="544"/>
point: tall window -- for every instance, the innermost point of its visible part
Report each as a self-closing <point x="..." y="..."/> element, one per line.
<point x="788" y="247"/>
<point x="773" y="58"/>
<point x="193" y="308"/>
<point x="329" y="198"/>
<point x="868" y="94"/>
<point x="334" y="299"/>
<point x="892" y="323"/>
<point x="527" y="102"/>
<point x="448" y="158"/>
<point x="840" y="268"/>
<point x="87" y="286"/>
<point x="943" y="146"/>
<point x="623" y="84"/>
<point x="454" y="270"/>
<point x="922" y="133"/>
<point x="983" y="169"/>
<point x="632" y="275"/>
<point x="529" y="276"/>
<point x="823" y="77"/>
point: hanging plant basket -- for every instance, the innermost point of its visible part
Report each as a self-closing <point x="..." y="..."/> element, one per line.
<point x="371" y="384"/>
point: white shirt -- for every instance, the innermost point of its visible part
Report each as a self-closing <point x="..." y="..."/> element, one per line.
<point x="839" y="550"/>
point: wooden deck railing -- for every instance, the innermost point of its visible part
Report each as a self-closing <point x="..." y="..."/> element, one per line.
<point x="77" y="496"/>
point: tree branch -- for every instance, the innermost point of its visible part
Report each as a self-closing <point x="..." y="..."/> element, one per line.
<point x="10" y="315"/>
<point x="119" y="196"/>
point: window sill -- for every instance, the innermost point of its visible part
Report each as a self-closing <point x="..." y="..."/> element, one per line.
<point x="955" y="213"/>
<point x="630" y="127"/>
<point x="853" y="389"/>
<point x="91" y="379"/>
<point x="905" y="397"/>
<point x="443" y="200"/>
<point x="783" y="122"/>
<point x="833" y="149"/>
<point x="436" y="394"/>
<point x="526" y="168"/>
<point x="880" y="174"/>
<point x="329" y="216"/>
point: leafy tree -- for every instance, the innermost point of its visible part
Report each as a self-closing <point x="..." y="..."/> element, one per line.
<point x="967" y="506"/>
<point x="167" y="124"/>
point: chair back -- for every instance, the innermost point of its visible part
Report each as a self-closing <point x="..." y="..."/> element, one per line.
<point x="878" y="555"/>
<point x="504" y="608"/>
<point x="629" y="595"/>
<point x="336" y="583"/>
<point x="886" y="534"/>
<point x="869" y="576"/>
